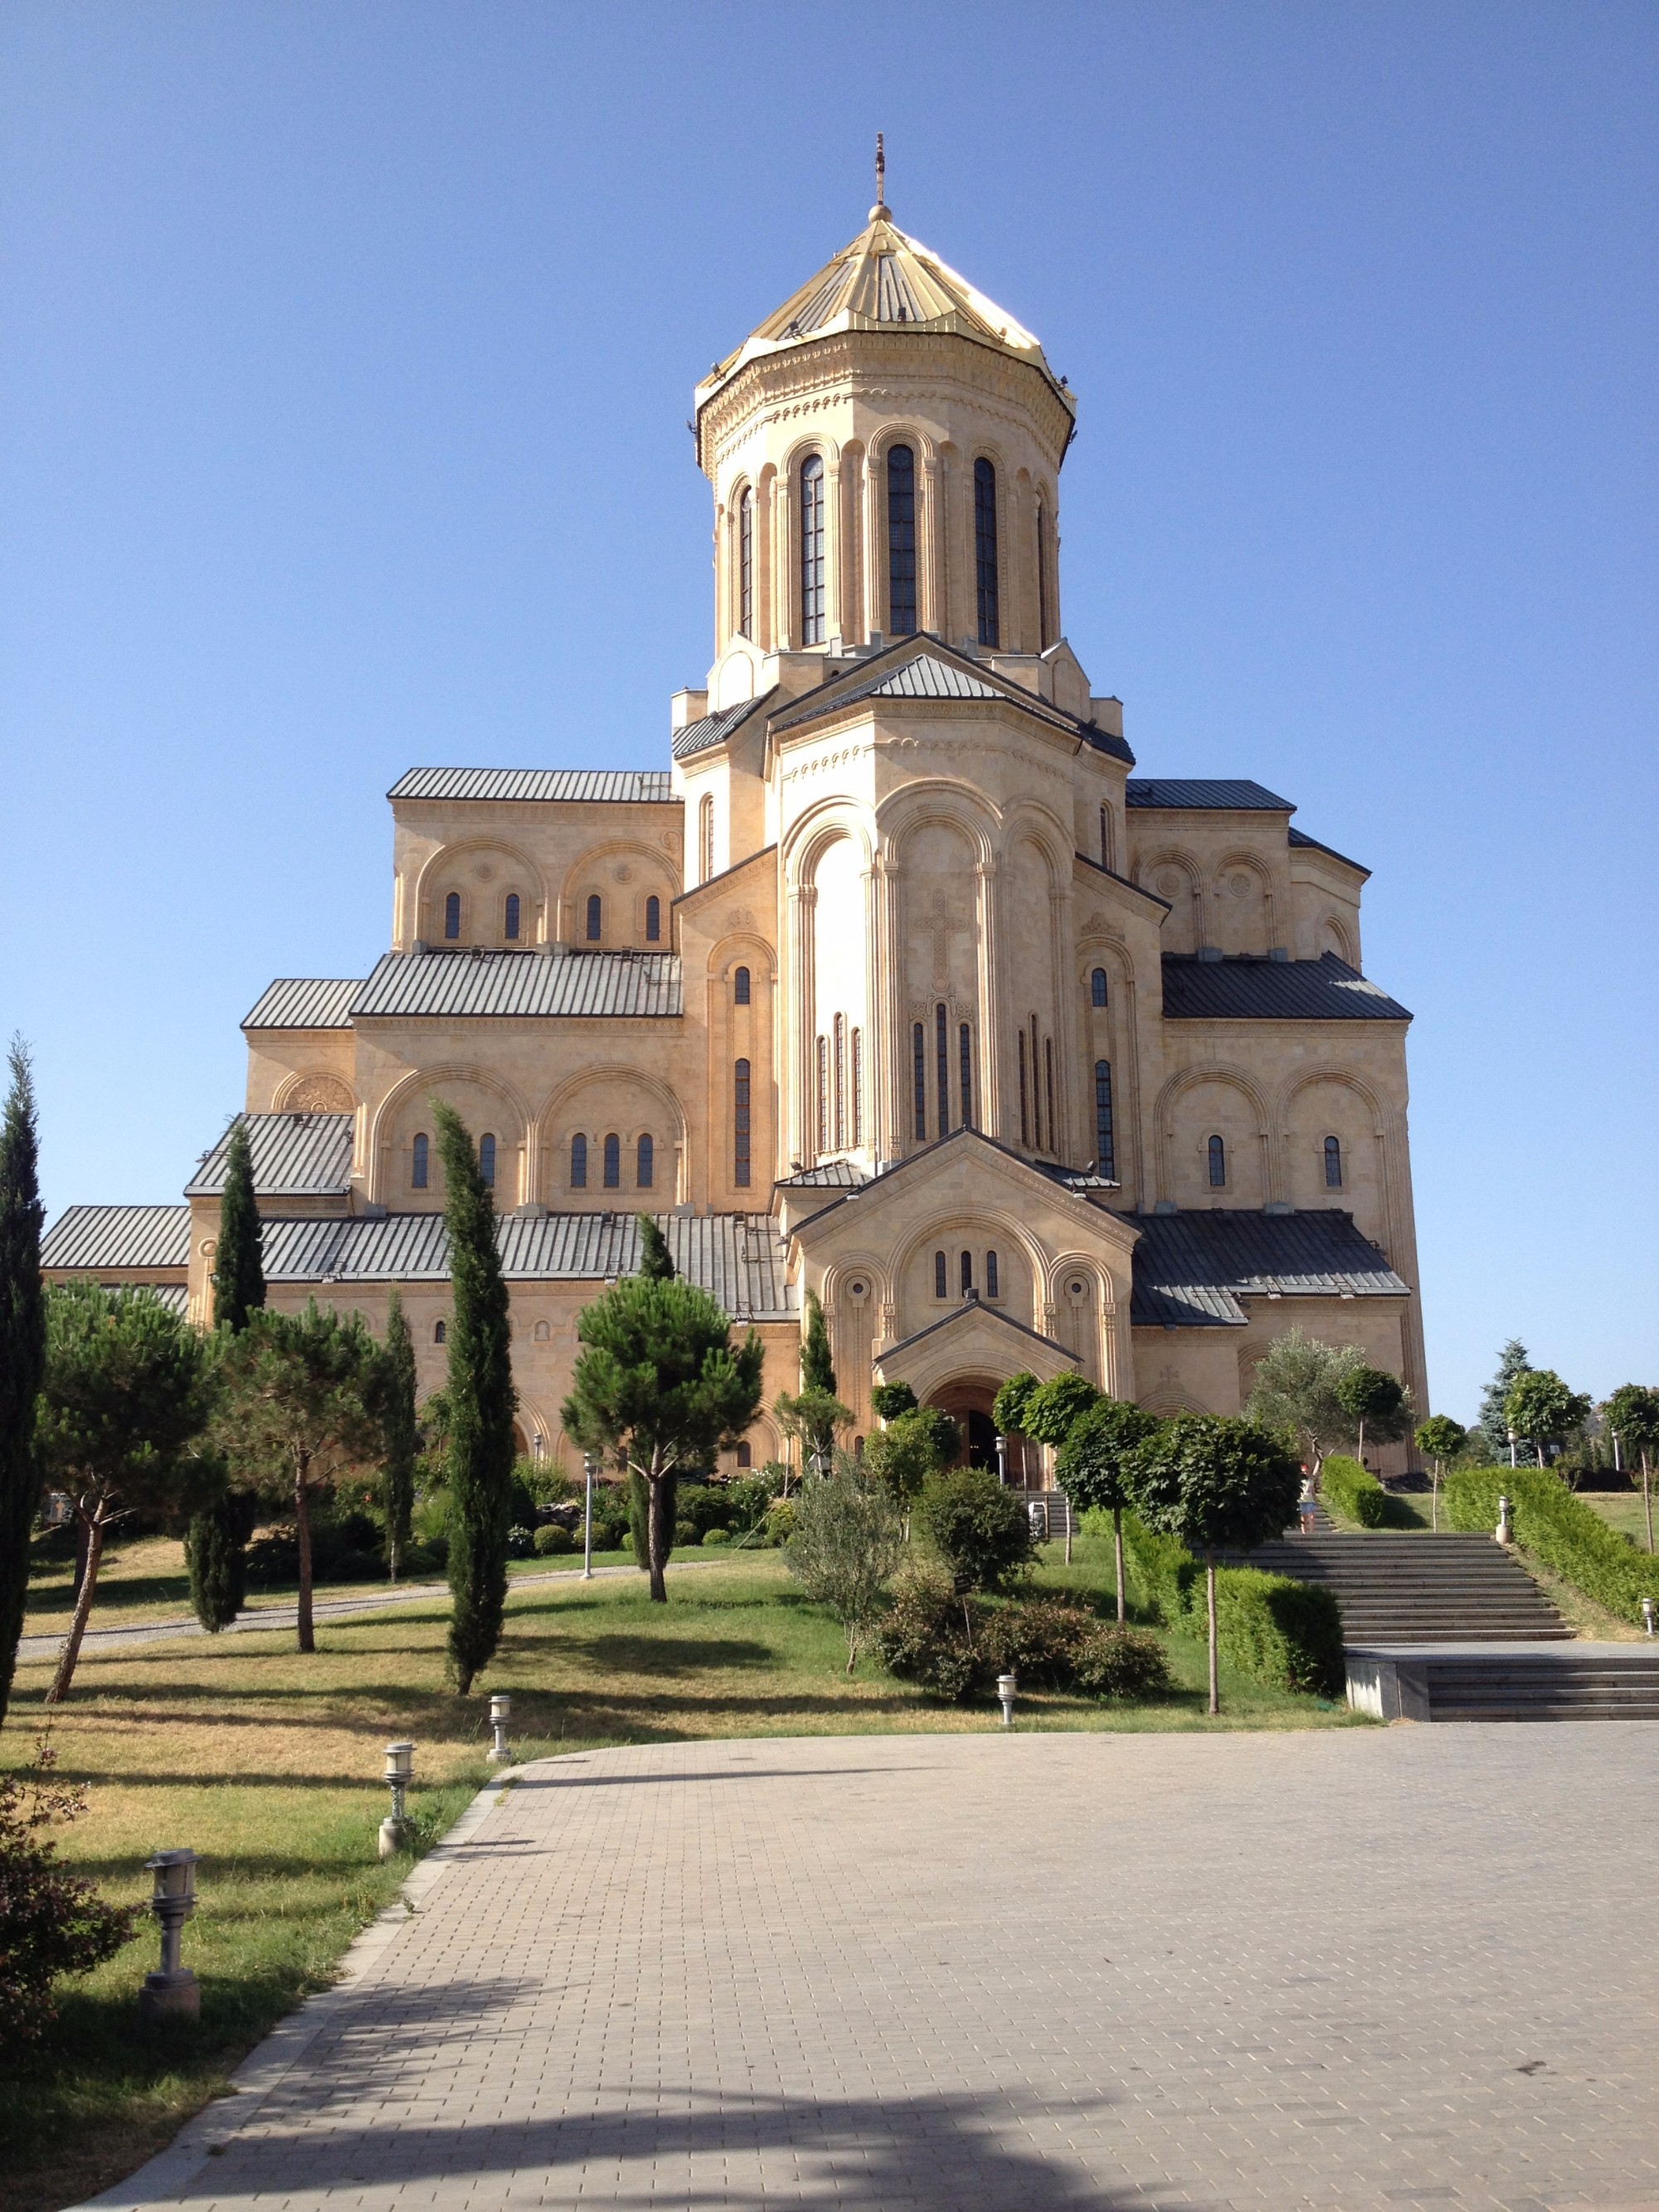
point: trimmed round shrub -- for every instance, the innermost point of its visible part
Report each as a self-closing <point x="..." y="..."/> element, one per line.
<point x="1122" y="1664"/>
<point x="715" y="1536"/>
<point x="780" y="1522"/>
<point x="980" y="1530"/>
<point x="552" y="1539"/>
<point x="686" y="1532"/>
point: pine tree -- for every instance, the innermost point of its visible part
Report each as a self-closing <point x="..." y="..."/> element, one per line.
<point x="216" y="1544"/>
<point x="817" y="1370"/>
<point x="22" y="1352"/>
<point x="402" y="1435"/>
<point x="482" y="1404"/>
<point x="656" y="1261"/>
<point x="1513" y="1362"/>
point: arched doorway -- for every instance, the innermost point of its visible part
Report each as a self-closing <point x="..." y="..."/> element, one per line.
<point x="969" y="1404"/>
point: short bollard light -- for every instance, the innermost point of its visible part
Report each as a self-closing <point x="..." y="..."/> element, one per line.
<point x="397" y="1828"/>
<point x="1002" y="1461"/>
<point x="501" y="1711"/>
<point x="174" y="1993"/>
<point x="1647" y="1614"/>
<point x="1504" y="1532"/>
<point x="1006" y="1685"/>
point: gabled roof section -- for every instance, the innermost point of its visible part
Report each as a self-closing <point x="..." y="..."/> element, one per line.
<point x="975" y="1309"/>
<point x="88" y="1237"/>
<point x="569" y="787"/>
<point x="1300" y="837"/>
<point x="536" y="984"/>
<point x="924" y="667"/>
<point x="1243" y="988"/>
<point x="305" y="1002"/>
<point x="294" y="1156"/>
<point x="715" y="729"/>
<point x="926" y="676"/>
<point x="871" y="1188"/>
<point x="828" y="1174"/>
<point x="1192" y="1269"/>
<point x="1205" y="794"/>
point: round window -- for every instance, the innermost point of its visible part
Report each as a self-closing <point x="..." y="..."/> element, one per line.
<point x="858" y="1290"/>
<point x="1076" y="1289"/>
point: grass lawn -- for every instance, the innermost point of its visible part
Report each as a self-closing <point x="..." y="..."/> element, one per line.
<point x="268" y="1765"/>
<point x="1622" y="1510"/>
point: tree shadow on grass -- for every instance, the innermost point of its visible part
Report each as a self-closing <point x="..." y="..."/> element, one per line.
<point x="667" y="1655"/>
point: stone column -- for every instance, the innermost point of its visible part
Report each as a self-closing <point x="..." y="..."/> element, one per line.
<point x="930" y="545"/>
<point x="802" y="1134"/>
<point x="1065" y="1014"/>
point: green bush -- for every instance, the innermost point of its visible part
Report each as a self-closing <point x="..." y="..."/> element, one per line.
<point x="980" y="1530"/>
<point x="779" y="1524"/>
<point x="1354" y="1495"/>
<point x="715" y="1536"/>
<point x="1039" y="1642"/>
<point x="1287" y="1634"/>
<point x="931" y="1636"/>
<point x="551" y="1541"/>
<point x="1560" y="1531"/>
<point x="1120" y="1663"/>
<point x="703" y="1507"/>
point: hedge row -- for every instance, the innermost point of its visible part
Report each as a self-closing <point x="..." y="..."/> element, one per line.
<point x="1353" y="1495"/>
<point x="1287" y="1634"/>
<point x="1568" y="1536"/>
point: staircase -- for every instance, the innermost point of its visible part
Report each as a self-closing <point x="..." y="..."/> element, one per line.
<point x="1417" y="1589"/>
<point x="1050" y="1513"/>
<point x="1590" y="1683"/>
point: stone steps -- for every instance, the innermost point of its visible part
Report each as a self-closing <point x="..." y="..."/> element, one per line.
<point x="1583" y="1682"/>
<point x="1418" y="1589"/>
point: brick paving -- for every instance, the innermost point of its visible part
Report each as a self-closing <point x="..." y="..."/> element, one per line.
<point x="1359" y="1970"/>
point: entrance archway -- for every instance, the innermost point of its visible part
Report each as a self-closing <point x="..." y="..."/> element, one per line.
<point x="969" y="1403"/>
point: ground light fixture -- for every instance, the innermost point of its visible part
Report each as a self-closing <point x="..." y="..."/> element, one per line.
<point x="174" y="1993"/>
<point x="501" y="1711"/>
<point x="1647" y="1614"/>
<point x="397" y="1828"/>
<point x="1007" y="1687"/>
<point x="1504" y="1531"/>
<point x="1002" y="1461"/>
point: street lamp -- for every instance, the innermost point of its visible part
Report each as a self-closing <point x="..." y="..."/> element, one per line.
<point x="590" y="1468"/>
<point x="1002" y="1461"/>
<point x="174" y="1993"/>
<point x="396" y="1829"/>
<point x="1514" y="1439"/>
<point x="501" y="1711"/>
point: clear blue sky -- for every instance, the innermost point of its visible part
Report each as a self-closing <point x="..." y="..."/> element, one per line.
<point x="344" y="373"/>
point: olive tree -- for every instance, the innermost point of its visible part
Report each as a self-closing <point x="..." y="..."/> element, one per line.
<point x="1296" y="1390"/>
<point x="846" y="1542"/>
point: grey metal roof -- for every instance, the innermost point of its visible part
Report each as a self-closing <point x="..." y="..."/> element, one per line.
<point x="828" y="1174"/>
<point x="995" y="1313"/>
<point x="94" y="1237"/>
<point x="294" y="1156"/>
<point x="737" y="1257"/>
<point x="522" y="984"/>
<point x="924" y="673"/>
<point x="1225" y="794"/>
<point x="1301" y="838"/>
<point x="926" y="676"/>
<point x="569" y="787"/>
<point x="305" y="1002"/>
<point x="1191" y="1269"/>
<point x="715" y="729"/>
<point x="1249" y="989"/>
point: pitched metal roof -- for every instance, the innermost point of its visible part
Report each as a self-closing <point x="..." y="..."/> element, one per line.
<point x="925" y="676"/>
<point x="976" y="1306"/>
<point x="304" y="1002"/>
<point x="925" y="673"/>
<point x="93" y="1236"/>
<point x="1192" y="1269"/>
<point x="828" y="1174"/>
<point x="294" y="1156"/>
<point x="737" y="1257"/>
<point x="569" y="787"/>
<point x="1223" y="794"/>
<point x="522" y="984"/>
<point x="715" y="729"/>
<point x="1301" y="838"/>
<point x="1251" y="989"/>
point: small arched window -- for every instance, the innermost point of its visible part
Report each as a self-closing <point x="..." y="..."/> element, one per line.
<point x="1098" y="988"/>
<point x="967" y="1272"/>
<point x="613" y="1163"/>
<point x="1217" y="1152"/>
<point x="746" y="581"/>
<point x="654" y="920"/>
<point x="579" y="1162"/>
<point x="595" y="918"/>
<point x="740" y="988"/>
<point x="440" y="1332"/>
<point x="1333" y="1164"/>
<point x="993" y="1287"/>
<point x="645" y="1161"/>
<point x="487" y="1160"/>
<point x="740" y="1157"/>
<point x="705" y="838"/>
<point x="453" y="914"/>
<point x="745" y="1455"/>
<point x="1105" y="1144"/>
<point x="985" y="550"/>
<point x="941" y="1288"/>
<point x="901" y="541"/>
<point x="418" y="1155"/>
<point x="812" y="550"/>
<point x="511" y="929"/>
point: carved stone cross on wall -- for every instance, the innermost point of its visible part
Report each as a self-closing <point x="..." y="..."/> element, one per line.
<point x="942" y="927"/>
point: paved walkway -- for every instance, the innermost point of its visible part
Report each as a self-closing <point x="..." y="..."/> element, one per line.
<point x="1360" y="1971"/>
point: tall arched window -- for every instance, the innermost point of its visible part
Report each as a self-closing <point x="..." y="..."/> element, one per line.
<point x="1024" y="1113"/>
<point x="967" y="1267"/>
<point x="1042" y="575"/>
<point x="1049" y="1082"/>
<point x="966" y="1072"/>
<point x="510" y="930"/>
<point x="1105" y="1148"/>
<point x="645" y="1163"/>
<point x="857" y="1080"/>
<point x="440" y="1332"/>
<point x="654" y="920"/>
<point x="840" y="1082"/>
<point x="487" y="1160"/>
<point x="901" y="541"/>
<point x="579" y="1162"/>
<point x="740" y="988"/>
<point x="812" y="550"/>
<point x="822" y="1114"/>
<point x="613" y="1163"/>
<point x="417" y="1164"/>
<point x="1098" y="988"/>
<point x="941" y="1287"/>
<point x="1333" y="1164"/>
<point x="453" y="914"/>
<point x="740" y="1125"/>
<point x="705" y="837"/>
<point x="1218" y="1154"/>
<point x="919" y="1075"/>
<point x="985" y="550"/>
<point x="992" y="1288"/>
<point x="942" y="1062"/>
<point x="1105" y="837"/>
<point x="746" y="562"/>
<point x="595" y="918"/>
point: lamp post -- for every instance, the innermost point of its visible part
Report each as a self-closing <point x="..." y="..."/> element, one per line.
<point x="399" y="1774"/>
<point x="174" y="1993"/>
<point x="1002" y="1461"/>
<point x="590" y="1468"/>
<point x="1006" y="1685"/>
<point x="1514" y="1440"/>
<point x="501" y="1711"/>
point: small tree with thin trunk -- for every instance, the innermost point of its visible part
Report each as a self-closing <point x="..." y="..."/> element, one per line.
<point x="215" y="1544"/>
<point x="302" y="1409"/>
<point x="22" y="1353"/>
<point x="1295" y="1391"/>
<point x="1214" y="1482"/>
<point x="1008" y="1406"/>
<point x="846" y="1543"/>
<point x="1051" y="1412"/>
<point x="1439" y="1438"/>
<point x="1097" y="1463"/>
<point x="660" y="1384"/>
<point x="1541" y="1408"/>
<point x="400" y="1437"/>
<point x="1633" y="1414"/>
<point x="129" y="1389"/>
<point x="1375" y="1400"/>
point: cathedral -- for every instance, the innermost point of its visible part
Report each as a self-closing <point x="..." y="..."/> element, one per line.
<point x="897" y="984"/>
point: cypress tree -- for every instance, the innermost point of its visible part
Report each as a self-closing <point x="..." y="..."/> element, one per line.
<point x="482" y="1404"/>
<point x="22" y="1352"/>
<point x="216" y="1544"/>
<point x="817" y="1370"/>
<point x="402" y="1435"/>
<point x="656" y="1261"/>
